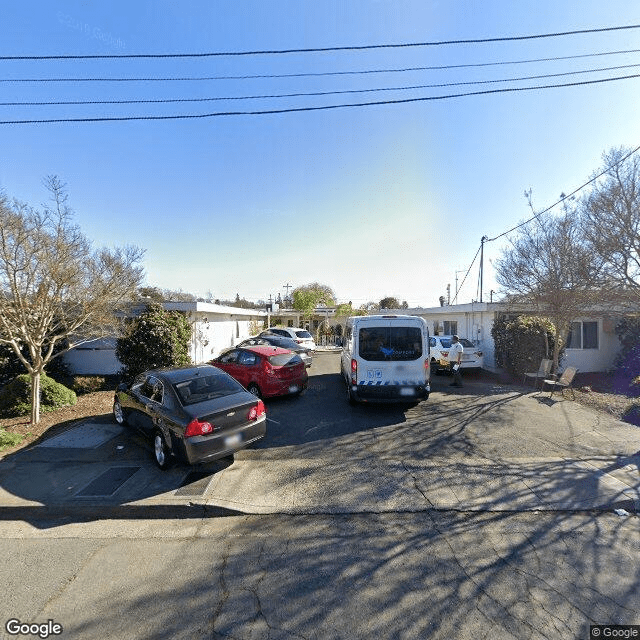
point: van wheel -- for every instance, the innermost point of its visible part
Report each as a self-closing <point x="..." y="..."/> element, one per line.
<point x="350" y="399"/>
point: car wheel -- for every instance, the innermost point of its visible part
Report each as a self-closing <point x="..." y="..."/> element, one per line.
<point x="255" y="389"/>
<point x="161" y="452"/>
<point x="118" y="413"/>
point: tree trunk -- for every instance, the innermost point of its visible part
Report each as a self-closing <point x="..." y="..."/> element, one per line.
<point x="556" y="351"/>
<point x="35" y="397"/>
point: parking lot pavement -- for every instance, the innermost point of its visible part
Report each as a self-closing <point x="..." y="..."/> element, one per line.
<point x="485" y="447"/>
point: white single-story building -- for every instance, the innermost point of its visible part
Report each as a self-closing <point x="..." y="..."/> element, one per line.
<point x="592" y="346"/>
<point x="215" y="327"/>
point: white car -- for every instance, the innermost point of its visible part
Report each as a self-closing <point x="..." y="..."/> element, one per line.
<point x="439" y="347"/>
<point x="301" y="336"/>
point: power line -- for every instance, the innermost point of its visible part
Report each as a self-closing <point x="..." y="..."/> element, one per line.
<point x="466" y="274"/>
<point x="565" y="197"/>
<point x="322" y="49"/>
<point x="540" y="213"/>
<point x="316" y="108"/>
<point x="325" y="73"/>
<point x="316" y="93"/>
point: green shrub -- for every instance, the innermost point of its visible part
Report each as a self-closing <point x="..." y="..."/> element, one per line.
<point x="88" y="384"/>
<point x="523" y="342"/>
<point x="157" y="338"/>
<point x="627" y="362"/>
<point x="15" y="397"/>
<point x="11" y="366"/>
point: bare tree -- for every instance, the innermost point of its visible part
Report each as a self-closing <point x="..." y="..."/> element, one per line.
<point x="54" y="287"/>
<point x="550" y="268"/>
<point x="611" y="222"/>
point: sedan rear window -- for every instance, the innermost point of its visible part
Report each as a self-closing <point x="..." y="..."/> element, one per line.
<point x="285" y="359"/>
<point x="206" y="388"/>
<point x="390" y="343"/>
<point x="303" y="334"/>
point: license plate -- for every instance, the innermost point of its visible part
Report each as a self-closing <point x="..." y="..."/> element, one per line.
<point x="233" y="441"/>
<point x="407" y="391"/>
<point x="293" y="388"/>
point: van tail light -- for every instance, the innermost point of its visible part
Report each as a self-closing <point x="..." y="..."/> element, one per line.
<point x="197" y="428"/>
<point x="257" y="411"/>
<point x="354" y="371"/>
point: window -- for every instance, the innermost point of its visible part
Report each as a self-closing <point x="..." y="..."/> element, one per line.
<point x="583" y="335"/>
<point x="390" y="343"/>
<point x="229" y="357"/>
<point x="284" y="359"/>
<point x="450" y="327"/>
<point x="248" y="358"/>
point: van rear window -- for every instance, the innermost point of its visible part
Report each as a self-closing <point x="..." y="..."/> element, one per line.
<point x="390" y="343"/>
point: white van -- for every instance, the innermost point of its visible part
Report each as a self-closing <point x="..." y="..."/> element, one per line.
<point x="386" y="358"/>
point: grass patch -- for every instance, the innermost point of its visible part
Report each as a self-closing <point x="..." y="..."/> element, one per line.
<point x="9" y="439"/>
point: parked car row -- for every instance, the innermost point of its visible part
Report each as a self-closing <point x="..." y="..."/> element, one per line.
<point x="204" y="412"/>
<point x="201" y="413"/>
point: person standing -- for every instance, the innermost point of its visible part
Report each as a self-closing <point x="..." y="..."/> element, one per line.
<point x="455" y="359"/>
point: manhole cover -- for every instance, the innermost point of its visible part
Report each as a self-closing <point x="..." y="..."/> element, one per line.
<point x="107" y="483"/>
<point x="195" y="483"/>
<point x="85" y="436"/>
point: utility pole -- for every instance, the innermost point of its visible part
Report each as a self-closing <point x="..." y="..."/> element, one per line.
<point x="456" y="296"/>
<point x="482" y="241"/>
<point x="287" y="287"/>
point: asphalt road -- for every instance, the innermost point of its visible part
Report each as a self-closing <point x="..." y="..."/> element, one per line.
<point x="374" y="521"/>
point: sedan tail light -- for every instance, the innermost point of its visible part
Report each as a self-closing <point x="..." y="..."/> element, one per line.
<point x="257" y="411"/>
<point x="197" y="428"/>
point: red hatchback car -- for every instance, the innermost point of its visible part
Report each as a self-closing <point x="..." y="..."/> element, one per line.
<point x="265" y="371"/>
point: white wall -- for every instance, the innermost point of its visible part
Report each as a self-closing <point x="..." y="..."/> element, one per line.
<point x="213" y="331"/>
<point x="600" y="359"/>
<point x="213" y="336"/>
<point x="97" y="357"/>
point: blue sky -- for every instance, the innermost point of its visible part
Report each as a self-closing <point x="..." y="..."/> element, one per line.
<point x="373" y="201"/>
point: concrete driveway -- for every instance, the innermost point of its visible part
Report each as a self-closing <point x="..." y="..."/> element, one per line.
<point x="483" y="447"/>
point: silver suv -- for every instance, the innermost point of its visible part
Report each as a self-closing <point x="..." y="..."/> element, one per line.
<point x="301" y="336"/>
